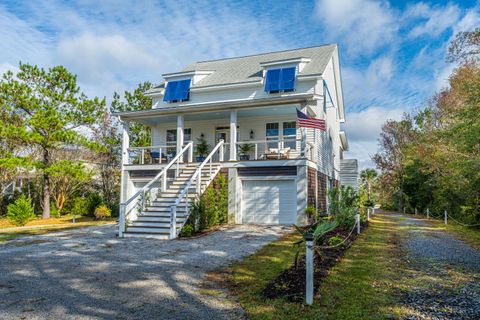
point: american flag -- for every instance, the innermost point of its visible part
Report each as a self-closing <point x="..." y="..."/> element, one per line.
<point x="310" y="122"/>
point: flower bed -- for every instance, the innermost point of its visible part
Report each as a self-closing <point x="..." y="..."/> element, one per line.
<point x="290" y="284"/>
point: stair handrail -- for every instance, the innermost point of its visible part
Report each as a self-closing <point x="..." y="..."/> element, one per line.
<point x="196" y="176"/>
<point x="147" y="187"/>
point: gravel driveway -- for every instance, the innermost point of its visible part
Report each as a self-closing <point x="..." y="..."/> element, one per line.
<point x="447" y="272"/>
<point x="90" y="274"/>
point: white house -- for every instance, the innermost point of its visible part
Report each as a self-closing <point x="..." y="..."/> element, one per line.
<point x="244" y="108"/>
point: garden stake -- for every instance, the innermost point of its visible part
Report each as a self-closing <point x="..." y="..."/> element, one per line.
<point x="446" y="219"/>
<point x="368" y="214"/>
<point x="415" y="210"/>
<point x="358" y="222"/>
<point x="428" y="213"/>
<point x="73" y="218"/>
<point x="309" y="268"/>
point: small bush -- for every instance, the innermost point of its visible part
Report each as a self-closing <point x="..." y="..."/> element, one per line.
<point x="54" y="211"/>
<point x="310" y="212"/>
<point x="102" y="212"/>
<point x="94" y="200"/>
<point x="79" y="207"/>
<point x="333" y="241"/>
<point x="20" y="212"/>
<point x="187" y="231"/>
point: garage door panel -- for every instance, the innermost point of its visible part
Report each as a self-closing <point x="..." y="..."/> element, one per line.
<point x="269" y="201"/>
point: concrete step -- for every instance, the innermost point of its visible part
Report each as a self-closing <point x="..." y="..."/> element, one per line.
<point x="165" y="214"/>
<point x="158" y="219"/>
<point x="148" y="235"/>
<point x="133" y="229"/>
<point x="150" y="224"/>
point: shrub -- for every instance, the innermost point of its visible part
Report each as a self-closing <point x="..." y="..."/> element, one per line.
<point x="333" y="241"/>
<point x="79" y="207"/>
<point x="310" y="212"/>
<point x="20" y="212"/>
<point x="343" y="205"/>
<point x="187" y="231"/>
<point x="94" y="200"/>
<point x="102" y="212"/>
<point x="212" y="207"/>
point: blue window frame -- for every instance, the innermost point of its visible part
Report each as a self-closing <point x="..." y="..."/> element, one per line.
<point x="282" y="79"/>
<point x="177" y="90"/>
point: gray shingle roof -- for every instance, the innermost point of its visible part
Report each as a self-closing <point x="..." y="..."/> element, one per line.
<point x="248" y="69"/>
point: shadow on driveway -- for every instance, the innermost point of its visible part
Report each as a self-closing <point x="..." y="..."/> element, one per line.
<point x="90" y="274"/>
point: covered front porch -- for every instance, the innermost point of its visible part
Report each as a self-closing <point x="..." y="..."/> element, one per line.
<point x="250" y="134"/>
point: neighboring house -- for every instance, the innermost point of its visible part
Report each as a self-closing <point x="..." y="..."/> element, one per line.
<point x="245" y="110"/>
<point x="349" y="173"/>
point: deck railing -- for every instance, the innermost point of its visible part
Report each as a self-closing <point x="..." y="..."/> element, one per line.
<point x="274" y="149"/>
<point x="268" y="149"/>
<point x="151" y="154"/>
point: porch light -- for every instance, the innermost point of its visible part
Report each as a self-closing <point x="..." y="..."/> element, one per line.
<point x="252" y="134"/>
<point x="202" y="135"/>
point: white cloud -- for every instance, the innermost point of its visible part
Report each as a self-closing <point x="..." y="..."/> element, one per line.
<point x="363" y="129"/>
<point x="364" y="24"/>
<point x="98" y="58"/>
<point x="435" y="20"/>
<point x="366" y="125"/>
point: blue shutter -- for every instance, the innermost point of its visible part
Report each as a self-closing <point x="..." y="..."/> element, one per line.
<point x="287" y="79"/>
<point x="177" y="90"/>
<point x="170" y="91"/>
<point x="280" y="79"/>
<point x="182" y="89"/>
<point x="272" y="80"/>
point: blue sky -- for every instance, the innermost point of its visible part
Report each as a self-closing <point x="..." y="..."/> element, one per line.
<point x="392" y="52"/>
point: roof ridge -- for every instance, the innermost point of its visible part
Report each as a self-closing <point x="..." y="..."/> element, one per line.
<point x="265" y="53"/>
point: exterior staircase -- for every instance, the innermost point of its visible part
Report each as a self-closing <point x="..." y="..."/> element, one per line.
<point x="155" y="220"/>
<point x="161" y="208"/>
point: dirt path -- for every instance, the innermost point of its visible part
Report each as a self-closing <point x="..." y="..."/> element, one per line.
<point x="441" y="279"/>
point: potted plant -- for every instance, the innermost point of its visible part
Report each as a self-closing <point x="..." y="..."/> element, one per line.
<point x="244" y="150"/>
<point x="201" y="150"/>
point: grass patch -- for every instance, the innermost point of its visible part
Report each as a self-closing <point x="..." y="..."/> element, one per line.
<point x="67" y="219"/>
<point x="361" y="286"/>
<point x="11" y="233"/>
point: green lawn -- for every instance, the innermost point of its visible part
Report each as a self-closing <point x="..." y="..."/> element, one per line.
<point x="361" y="286"/>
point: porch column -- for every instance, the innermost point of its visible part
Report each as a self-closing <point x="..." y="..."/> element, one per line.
<point x="179" y="133"/>
<point x="233" y="135"/>
<point x="125" y="146"/>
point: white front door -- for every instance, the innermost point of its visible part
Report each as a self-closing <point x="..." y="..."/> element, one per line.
<point x="269" y="201"/>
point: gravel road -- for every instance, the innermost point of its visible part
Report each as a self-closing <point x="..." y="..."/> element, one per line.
<point x="448" y="273"/>
<point x="90" y="274"/>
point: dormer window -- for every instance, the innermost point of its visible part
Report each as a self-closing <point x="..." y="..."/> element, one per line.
<point x="280" y="80"/>
<point x="177" y="91"/>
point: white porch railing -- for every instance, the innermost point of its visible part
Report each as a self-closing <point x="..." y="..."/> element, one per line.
<point x="150" y="190"/>
<point x="196" y="178"/>
<point x="150" y="154"/>
<point x="275" y="149"/>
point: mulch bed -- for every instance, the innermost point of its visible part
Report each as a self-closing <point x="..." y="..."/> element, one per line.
<point x="290" y="284"/>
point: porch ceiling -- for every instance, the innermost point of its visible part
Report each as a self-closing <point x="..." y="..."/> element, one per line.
<point x="241" y="113"/>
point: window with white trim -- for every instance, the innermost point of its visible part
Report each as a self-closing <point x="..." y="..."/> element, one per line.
<point x="289" y="134"/>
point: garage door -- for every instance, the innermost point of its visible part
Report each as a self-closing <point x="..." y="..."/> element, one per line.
<point x="269" y="202"/>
